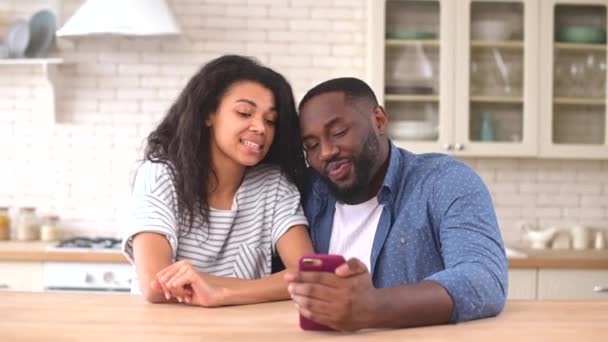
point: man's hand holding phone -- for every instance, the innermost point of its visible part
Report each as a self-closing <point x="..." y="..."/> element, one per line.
<point x="339" y="298"/>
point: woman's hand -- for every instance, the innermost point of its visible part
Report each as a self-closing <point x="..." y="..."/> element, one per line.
<point x="181" y="281"/>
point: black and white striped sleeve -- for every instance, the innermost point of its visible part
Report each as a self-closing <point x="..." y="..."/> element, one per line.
<point x="288" y="210"/>
<point x="153" y="207"/>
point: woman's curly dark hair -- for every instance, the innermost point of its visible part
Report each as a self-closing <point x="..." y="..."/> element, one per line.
<point x="182" y="140"/>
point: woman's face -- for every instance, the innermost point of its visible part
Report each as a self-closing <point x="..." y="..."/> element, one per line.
<point x="243" y="127"/>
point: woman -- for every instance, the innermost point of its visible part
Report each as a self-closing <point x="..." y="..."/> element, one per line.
<point x="218" y="195"/>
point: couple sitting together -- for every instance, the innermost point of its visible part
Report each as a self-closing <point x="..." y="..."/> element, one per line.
<point x="225" y="187"/>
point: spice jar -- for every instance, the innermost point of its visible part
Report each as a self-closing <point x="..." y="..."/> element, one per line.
<point x="28" y="227"/>
<point x="49" y="230"/>
<point x="5" y="224"/>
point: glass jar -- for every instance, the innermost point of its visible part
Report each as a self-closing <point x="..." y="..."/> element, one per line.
<point x="5" y="224"/>
<point x="49" y="230"/>
<point x="27" y="227"/>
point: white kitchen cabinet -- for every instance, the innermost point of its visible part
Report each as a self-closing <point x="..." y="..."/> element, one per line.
<point x="490" y="75"/>
<point x="572" y="284"/>
<point x="522" y="283"/>
<point x="573" y="84"/>
<point x="417" y="45"/>
<point x="20" y="276"/>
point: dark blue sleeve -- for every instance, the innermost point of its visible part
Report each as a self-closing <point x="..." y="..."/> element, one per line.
<point x="476" y="274"/>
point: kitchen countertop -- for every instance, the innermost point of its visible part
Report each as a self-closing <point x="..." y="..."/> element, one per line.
<point x="547" y="258"/>
<point x="37" y="251"/>
<point x="55" y="316"/>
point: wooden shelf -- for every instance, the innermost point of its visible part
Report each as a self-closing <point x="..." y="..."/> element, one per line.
<point x="412" y="42"/>
<point x="30" y="61"/>
<point x="580" y="47"/>
<point x="579" y="101"/>
<point x="497" y="99"/>
<point x="49" y="69"/>
<point x="411" y="98"/>
<point x="506" y="44"/>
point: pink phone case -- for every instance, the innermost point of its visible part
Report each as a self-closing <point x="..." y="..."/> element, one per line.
<point x="318" y="263"/>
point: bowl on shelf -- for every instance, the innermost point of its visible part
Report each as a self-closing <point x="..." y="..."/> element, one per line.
<point x="490" y="29"/>
<point x="582" y="34"/>
<point x="413" y="130"/>
<point x="411" y="35"/>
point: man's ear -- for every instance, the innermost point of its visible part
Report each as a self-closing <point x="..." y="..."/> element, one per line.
<point x="380" y="120"/>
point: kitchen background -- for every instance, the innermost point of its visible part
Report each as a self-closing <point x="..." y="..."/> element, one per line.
<point x="113" y="91"/>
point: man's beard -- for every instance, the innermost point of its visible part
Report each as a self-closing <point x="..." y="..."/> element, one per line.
<point x="362" y="167"/>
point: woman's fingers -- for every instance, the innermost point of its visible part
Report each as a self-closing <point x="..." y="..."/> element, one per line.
<point x="183" y="271"/>
<point x="184" y="278"/>
<point x="164" y="280"/>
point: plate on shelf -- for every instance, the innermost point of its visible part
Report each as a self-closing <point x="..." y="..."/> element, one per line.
<point x="490" y="30"/>
<point x="413" y="130"/>
<point x="409" y="90"/>
<point x="17" y="38"/>
<point x="411" y="35"/>
<point x="582" y="34"/>
<point x="42" y="33"/>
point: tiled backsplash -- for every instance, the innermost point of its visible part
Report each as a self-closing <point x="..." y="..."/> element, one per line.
<point x="115" y="89"/>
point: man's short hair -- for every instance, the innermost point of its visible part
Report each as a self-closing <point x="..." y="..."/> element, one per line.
<point x="353" y="88"/>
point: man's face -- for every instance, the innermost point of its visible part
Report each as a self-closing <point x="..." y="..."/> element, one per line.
<point x="341" y="143"/>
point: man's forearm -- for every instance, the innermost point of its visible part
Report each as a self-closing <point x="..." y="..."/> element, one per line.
<point x="425" y="303"/>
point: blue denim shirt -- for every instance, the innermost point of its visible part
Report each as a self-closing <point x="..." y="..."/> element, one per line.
<point x="438" y="224"/>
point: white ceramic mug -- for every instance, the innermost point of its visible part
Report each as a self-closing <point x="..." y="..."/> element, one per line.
<point x="580" y="237"/>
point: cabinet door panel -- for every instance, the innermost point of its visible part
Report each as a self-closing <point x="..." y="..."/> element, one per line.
<point x="21" y="276"/>
<point x="496" y="78"/>
<point x="573" y="65"/>
<point x="571" y="284"/>
<point x="522" y="284"/>
<point x="411" y="67"/>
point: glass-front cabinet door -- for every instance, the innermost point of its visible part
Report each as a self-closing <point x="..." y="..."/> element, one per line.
<point x="573" y="79"/>
<point x="411" y="69"/>
<point x="496" y="106"/>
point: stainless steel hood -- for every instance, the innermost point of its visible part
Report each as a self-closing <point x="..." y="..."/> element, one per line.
<point x="121" y="17"/>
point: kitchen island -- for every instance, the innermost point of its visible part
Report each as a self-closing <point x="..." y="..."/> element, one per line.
<point x="52" y="316"/>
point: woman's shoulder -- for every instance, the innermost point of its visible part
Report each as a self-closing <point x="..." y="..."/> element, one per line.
<point x="154" y="171"/>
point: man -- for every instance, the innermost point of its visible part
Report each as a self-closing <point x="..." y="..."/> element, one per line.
<point x="420" y="230"/>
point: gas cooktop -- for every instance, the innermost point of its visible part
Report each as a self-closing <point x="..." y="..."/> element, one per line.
<point x="100" y="244"/>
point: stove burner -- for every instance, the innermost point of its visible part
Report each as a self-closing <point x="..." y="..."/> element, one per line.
<point x="90" y="243"/>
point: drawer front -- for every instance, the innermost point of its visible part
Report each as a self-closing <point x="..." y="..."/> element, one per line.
<point x="20" y="276"/>
<point x="522" y="284"/>
<point x="572" y="284"/>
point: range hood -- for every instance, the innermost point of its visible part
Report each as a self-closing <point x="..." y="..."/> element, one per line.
<point x="121" y="17"/>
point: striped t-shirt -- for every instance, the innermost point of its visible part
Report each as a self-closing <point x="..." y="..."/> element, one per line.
<point x="238" y="242"/>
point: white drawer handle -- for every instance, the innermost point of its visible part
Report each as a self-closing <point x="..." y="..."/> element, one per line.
<point x="600" y="288"/>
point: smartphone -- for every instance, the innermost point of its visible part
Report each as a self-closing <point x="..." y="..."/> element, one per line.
<point x="318" y="263"/>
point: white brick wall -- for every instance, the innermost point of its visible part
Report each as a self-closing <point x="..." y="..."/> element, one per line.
<point x="116" y="89"/>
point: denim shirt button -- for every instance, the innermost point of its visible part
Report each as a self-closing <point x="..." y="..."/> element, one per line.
<point x="403" y="241"/>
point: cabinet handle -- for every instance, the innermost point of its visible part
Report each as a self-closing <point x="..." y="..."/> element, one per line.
<point x="447" y="147"/>
<point x="459" y="147"/>
<point x="600" y="288"/>
<point x="4" y="286"/>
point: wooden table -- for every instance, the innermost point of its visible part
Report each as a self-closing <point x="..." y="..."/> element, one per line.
<point x="104" y="317"/>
